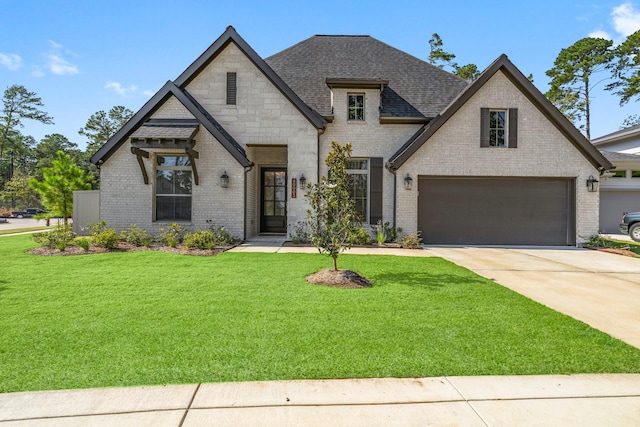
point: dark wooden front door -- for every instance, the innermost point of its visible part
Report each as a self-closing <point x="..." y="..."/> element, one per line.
<point x="273" y="204"/>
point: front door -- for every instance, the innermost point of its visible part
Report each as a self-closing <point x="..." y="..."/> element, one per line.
<point x="273" y="206"/>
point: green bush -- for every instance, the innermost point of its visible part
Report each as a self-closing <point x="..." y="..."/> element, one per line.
<point x="173" y="235"/>
<point x="137" y="236"/>
<point x="224" y="237"/>
<point x="300" y="233"/>
<point x="84" y="243"/>
<point x="104" y="237"/>
<point x="411" y="241"/>
<point x="360" y="236"/>
<point x="59" y="237"/>
<point x="200" y="239"/>
<point x="385" y="232"/>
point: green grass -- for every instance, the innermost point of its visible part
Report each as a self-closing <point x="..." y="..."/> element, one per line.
<point x="144" y="318"/>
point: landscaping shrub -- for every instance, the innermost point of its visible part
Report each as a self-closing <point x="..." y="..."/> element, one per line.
<point x="173" y="235"/>
<point x="200" y="239"/>
<point x="411" y="241"/>
<point x="224" y="237"/>
<point x="300" y="233"/>
<point x="59" y="238"/>
<point x="137" y="236"/>
<point x="360" y="236"/>
<point x="104" y="237"/>
<point x="84" y="243"/>
<point x="385" y="232"/>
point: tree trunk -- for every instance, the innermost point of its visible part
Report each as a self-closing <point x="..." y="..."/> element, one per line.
<point x="335" y="263"/>
<point x="587" y="108"/>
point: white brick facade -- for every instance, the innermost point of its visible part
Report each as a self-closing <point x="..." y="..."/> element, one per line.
<point x="454" y="150"/>
<point x="275" y="130"/>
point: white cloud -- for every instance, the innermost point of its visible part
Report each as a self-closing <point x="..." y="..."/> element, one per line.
<point x="148" y="93"/>
<point x="60" y="66"/>
<point x="11" y="61"/>
<point x="56" y="63"/>
<point x="626" y="19"/>
<point x="600" y="34"/>
<point x="121" y="90"/>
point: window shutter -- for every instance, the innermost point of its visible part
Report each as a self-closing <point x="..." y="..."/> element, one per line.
<point x="231" y="88"/>
<point x="484" y="127"/>
<point x="513" y="128"/>
<point x="375" y="190"/>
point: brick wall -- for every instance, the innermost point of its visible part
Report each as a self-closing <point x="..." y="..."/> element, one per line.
<point x="454" y="150"/>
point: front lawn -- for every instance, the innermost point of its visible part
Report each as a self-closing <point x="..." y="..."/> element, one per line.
<point x="143" y="318"/>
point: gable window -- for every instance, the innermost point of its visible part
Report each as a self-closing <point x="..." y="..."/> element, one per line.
<point x="359" y="189"/>
<point x="173" y="188"/>
<point x="499" y="127"/>
<point x="618" y="174"/>
<point x="232" y="88"/>
<point x="356" y="107"/>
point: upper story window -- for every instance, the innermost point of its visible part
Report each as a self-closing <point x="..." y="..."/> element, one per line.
<point x="499" y="127"/>
<point x="232" y="88"/>
<point x="173" y="188"/>
<point x="355" y="109"/>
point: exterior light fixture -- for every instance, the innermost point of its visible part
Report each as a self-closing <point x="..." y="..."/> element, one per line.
<point x="592" y="184"/>
<point x="408" y="182"/>
<point x="303" y="182"/>
<point x="224" y="180"/>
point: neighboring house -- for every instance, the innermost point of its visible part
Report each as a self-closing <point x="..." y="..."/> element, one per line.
<point x="230" y="140"/>
<point x="620" y="188"/>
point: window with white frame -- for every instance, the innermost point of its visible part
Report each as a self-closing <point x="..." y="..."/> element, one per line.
<point x="173" y="188"/>
<point x="356" y="107"/>
<point x="359" y="190"/>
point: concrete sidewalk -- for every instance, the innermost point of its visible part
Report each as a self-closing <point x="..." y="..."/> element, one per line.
<point x="571" y="400"/>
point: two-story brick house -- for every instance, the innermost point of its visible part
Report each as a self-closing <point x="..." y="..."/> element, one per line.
<point x="232" y="138"/>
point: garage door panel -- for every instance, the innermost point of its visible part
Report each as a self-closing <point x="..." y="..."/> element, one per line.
<point x="495" y="211"/>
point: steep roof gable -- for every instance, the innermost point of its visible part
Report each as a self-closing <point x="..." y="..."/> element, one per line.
<point x="529" y="90"/>
<point x="415" y="88"/>
<point x="231" y="36"/>
<point x="156" y="101"/>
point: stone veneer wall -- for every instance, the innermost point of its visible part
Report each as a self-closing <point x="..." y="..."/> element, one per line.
<point x="454" y="150"/>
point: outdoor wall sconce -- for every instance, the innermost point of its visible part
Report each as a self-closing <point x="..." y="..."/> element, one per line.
<point x="408" y="182"/>
<point x="224" y="180"/>
<point x="592" y="184"/>
<point x="303" y="182"/>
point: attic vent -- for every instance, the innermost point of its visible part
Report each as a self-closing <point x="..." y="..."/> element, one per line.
<point x="231" y="88"/>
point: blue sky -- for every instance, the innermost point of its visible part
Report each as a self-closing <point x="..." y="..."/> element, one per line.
<point x="85" y="56"/>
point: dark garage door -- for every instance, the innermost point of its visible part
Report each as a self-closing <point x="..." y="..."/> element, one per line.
<point x="496" y="211"/>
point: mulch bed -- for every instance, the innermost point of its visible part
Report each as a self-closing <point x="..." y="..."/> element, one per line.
<point x="616" y="251"/>
<point x="339" y="279"/>
<point x="124" y="247"/>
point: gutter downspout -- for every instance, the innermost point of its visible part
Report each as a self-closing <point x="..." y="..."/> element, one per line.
<point x="393" y="170"/>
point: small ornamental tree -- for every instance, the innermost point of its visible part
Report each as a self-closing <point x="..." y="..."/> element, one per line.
<point x="333" y="216"/>
<point x="58" y="184"/>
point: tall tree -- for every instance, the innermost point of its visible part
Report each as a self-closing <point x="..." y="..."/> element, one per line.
<point x="99" y="128"/>
<point x="437" y="55"/>
<point x="103" y="125"/>
<point x="572" y="78"/>
<point x="333" y="217"/>
<point x="58" y="184"/>
<point x="468" y="72"/>
<point x="18" y="104"/>
<point x="18" y="193"/>
<point x="626" y="69"/>
<point x="46" y="152"/>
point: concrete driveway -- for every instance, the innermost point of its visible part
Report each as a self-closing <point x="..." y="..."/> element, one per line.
<point x="598" y="288"/>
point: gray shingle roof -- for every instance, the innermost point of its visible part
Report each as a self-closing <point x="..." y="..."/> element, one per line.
<point x="416" y="88"/>
<point x="613" y="156"/>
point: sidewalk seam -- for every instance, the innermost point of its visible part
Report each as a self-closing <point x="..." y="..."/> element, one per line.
<point x="486" y="423"/>
<point x="186" y="412"/>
